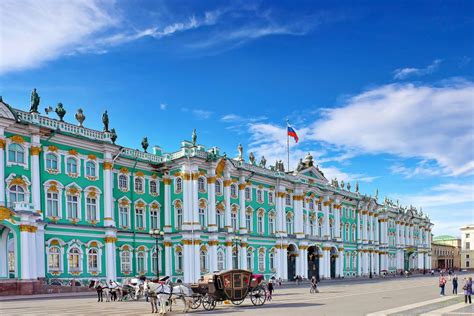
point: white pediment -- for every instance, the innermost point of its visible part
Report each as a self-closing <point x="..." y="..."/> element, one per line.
<point x="6" y="112"/>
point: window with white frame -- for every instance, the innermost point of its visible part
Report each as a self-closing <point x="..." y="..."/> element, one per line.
<point x="203" y="260"/>
<point x="202" y="184"/>
<point x="202" y="216"/>
<point x="178" y="185"/>
<point x="233" y="190"/>
<point x="16" y="153"/>
<point x="72" y="206"/>
<point x="270" y="197"/>
<point x="311" y="204"/>
<point x="153" y="261"/>
<point x="153" y="188"/>
<point x="220" y="260"/>
<point x="179" y="260"/>
<point x="347" y="234"/>
<point x="220" y="219"/>
<point x="71" y="165"/>
<point x="248" y="221"/>
<point x="259" y="196"/>
<point x="91" y="208"/>
<point x="126" y="261"/>
<point x="139" y="185"/>
<point x="141" y="262"/>
<point x="218" y="186"/>
<point x="74" y="260"/>
<point x="123" y="182"/>
<point x="250" y="265"/>
<point x="320" y="206"/>
<point x="52" y="162"/>
<point x="313" y="228"/>
<point x="91" y="170"/>
<point x="16" y="193"/>
<point x="271" y="260"/>
<point x="271" y="223"/>
<point x="288" y="200"/>
<point x="261" y="261"/>
<point x="54" y="259"/>
<point x="123" y="215"/>
<point x="233" y="220"/>
<point x="179" y="217"/>
<point x="139" y="218"/>
<point x="260" y="223"/>
<point x="154" y="218"/>
<point x="320" y="228"/>
<point x="289" y="225"/>
<point x="93" y="260"/>
<point x="248" y="193"/>
<point x="52" y="204"/>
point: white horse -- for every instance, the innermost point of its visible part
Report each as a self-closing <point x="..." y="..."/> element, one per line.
<point x="164" y="293"/>
<point x="101" y="290"/>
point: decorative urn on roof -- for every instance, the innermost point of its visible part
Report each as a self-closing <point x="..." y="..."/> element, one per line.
<point x="80" y="117"/>
<point x="60" y="111"/>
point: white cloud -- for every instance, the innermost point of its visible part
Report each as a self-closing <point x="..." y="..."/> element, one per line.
<point x="403" y="73"/>
<point x="443" y="195"/>
<point x="33" y="32"/>
<point x="422" y="168"/>
<point x="163" y="106"/>
<point x="427" y="122"/>
<point x="202" y="114"/>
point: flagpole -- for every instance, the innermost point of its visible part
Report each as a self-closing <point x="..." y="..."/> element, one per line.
<point x="288" y="146"/>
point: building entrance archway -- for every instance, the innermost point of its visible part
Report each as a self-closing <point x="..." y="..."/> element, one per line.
<point x="313" y="262"/>
<point x="334" y="256"/>
<point x="8" y="253"/>
<point x="292" y="253"/>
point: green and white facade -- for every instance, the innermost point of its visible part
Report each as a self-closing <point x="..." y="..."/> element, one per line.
<point x="77" y="206"/>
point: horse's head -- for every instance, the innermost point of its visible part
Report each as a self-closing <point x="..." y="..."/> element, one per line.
<point x="92" y="284"/>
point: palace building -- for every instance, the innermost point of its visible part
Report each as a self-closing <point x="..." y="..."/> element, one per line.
<point x="77" y="206"/>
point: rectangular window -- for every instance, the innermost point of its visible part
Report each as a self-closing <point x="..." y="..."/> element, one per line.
<point x="468" y="245"/>
<point x="154" y="219"/>
<point x="468" y="235"/>
<point x="271" y="225"/>
<point x="72" y="206"/>
<point x="52" y="204"/>
<point x="233" y="219"/>
<point x="91" y="205"/>
<point x="123" y="216"/>
<point x="248" y="222"/>
<point x="260" y="224"/>
<point x="139" y="222"/>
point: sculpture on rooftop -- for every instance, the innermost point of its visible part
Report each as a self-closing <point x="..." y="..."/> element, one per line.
<point x="34" y="101"/>
<point x="80" y="117"/>
<point x="252" y="158"/>
<point x="240" y="149"/>
<point x="348" y="186"/>
<point x="113" y="135"/>
<point x="357" y="187"/>
<point x="263" y="162"/>
<point x="300" y="165"/>
<point x="60" y="111"/>
<point x="194" y="137"/>
<point x="105" y="121"/>
<point x="145" y="143"/>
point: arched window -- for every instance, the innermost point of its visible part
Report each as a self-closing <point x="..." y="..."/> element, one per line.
<point x="218" y="187"/>
<point x="312" y="225"/>
<point x="74" y="260"/>
<point x="16" y="153"/>
<point x="51" y="162"/>
<point x="179" y="260"/>
<point x="52" y="204"/>
<point x="270" y="197"/>
<point x="259" y="196"/>
<point x="153" y="188"/>
<point x="289" y="225"/>
<point x="178" y="184"/>
<point x="331" y="229"/>
<point x="220" y="219"/>
<point x="248" y="219"/>
<point x="250" y="260"/>
<point x="320" y="206"/>
<point x="123" y="182"/>
<point x="233" y="220"/>
<point x="235" y="258"/>
<point x="54" y="259"/>
<point x="123" y="218"/>
<point x="203" y="260"/>
<point x="261" y="261"/>
<point x="220" y="260"/>
<point x="72" y="206"/>
<point x="202" y="215"/>
<point x="354" y="261"/>
<point x="260" y="223"/>
<point x="141" y="267"/>
<point x="179" y="217"/>
<point x="17" y="194"/>
<point x="201" y="184"/>
<point x="347" y="234"/>
<point x="139" y="185"/>
<point x="71" y="165"/>
<point x="90" y="169"/>
<point x="91" y="208"/>
<point x="272" y="260"/>
<point x="126" y="261"/>
<point x="248" y="194"/>
<point x="311" y="204"/>
<point x="348" y="261"/>
<point x="271" y="223"/>
<point x="233" y="190"/>
<point x="320" y="228"/>
<point x="93" y="259"/>
<point x="153" y="261"/>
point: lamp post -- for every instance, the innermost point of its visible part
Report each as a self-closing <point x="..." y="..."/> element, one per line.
<point x="370" y="264"/>
<point x="156" y="233"/>
<point x="236" y="240"/>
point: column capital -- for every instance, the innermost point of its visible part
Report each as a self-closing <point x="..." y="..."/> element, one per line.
<point x="2" y="143"/>
<point x="107" y="165"/>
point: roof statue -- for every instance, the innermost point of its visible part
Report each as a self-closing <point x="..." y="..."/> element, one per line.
<point x="240" y="149"/>
<point x="113" y="135"/>
<point x="300" y="165"/>
<point x="308" y="160"/>
<point x="60" y="111"/>
<point x="342" y="184"/>
<point x="194" y="137"/>
<point x="80" y="117"/>
<point x="348" y="186"/>
<point x="105" y="120"/>
<point x="34" y="101"/>
<point x="252" y="158"/>
<point x="145" y="143"/>
<point x="263" y="162"/>
<point x="357" y="187"/>
<point x="377" y="194"/>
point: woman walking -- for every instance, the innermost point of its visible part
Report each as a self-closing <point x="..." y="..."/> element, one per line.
<point x="467" y="290"/>
<point x="442" y="284"/>
<point x="455" y="285"/>
<point x="270" y="290"/>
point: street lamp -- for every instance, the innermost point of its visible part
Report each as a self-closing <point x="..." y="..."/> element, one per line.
<point x="370" y="264"/>
<point x="236" y="240"/>
<point x="156" y="233"/>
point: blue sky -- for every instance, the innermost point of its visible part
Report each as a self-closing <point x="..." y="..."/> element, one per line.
<point x="380" y="92"/>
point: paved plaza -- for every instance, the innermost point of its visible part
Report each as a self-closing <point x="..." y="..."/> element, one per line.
<point x="399" y="296"/>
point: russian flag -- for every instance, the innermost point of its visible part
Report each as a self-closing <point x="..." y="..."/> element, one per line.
<point x="292" y="133"/>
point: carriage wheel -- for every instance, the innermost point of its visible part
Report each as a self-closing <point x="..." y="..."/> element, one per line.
<point x="208" y="302"/>
<point x="258" y="297"/>
<point x="197" y="300"/>
<point x="238" y="302"/>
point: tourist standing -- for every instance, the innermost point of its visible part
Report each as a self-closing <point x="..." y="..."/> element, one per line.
<point x="442" y="284"/>
<point x="467" y="290"/>
<point x="455" y="284"/>
<point x="270" y="290"/>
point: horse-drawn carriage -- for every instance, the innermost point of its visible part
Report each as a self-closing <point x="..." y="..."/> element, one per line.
<point x="232" y="285"/>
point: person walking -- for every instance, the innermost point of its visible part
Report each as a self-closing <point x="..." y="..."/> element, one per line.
<point x="270" y="290"/>
<point x="314" y="285"/>
<point x="455" y="285"/>
<point x="442" y="284"/>
<point x="467" y="290"/>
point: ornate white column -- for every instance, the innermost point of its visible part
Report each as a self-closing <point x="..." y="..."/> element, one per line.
<point x="167" y="206"/>
<point x="35" y="150"/>
<point x="197" y="262"/>
<point x="3" y="198"/>
<point x="110" y="255"/>
<point x="364" y="228"/>
<point x="187" y="198"/>
<point x="284" y="259"/>
<point x="243" y="222"/>
<point x="298" y="211"/>
<point x="228" y="219"/>
<point x="327" y="262"/>
<point x="228" y="255"/>
<point x="213" y="255"/>
<point x="168" y="257"/>
<point x="108" y="194"/>
<point x="280" y="213"/>
<point x="397" y="233"/>
<point x="341" y="261"/>
<point x="211" y="205"/>
<point x="194" y="206"/>
<point x="359" y="263"/>
<point x="359" y="236"/>
<point x="278" y="261"/>
<point x="337" y="219"/>
<point x="33" y="260"/>
<point x="243" y="255"/>
<point x="325" y="207"/>
<point x="25" y="252"/>
<point x="40" y="253"/>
